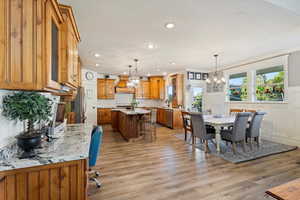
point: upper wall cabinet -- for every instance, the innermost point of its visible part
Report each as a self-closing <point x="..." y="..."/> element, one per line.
<point x="143" y="90"/>
<point x="177" y="86"/>
<point x="106" y="88"/>
<point x="69" y="70"/>
<point x="157" y="87"/>
<point x="54" y="34"/>
<point x="21" y="51"/>
<point x="32" y="45"/>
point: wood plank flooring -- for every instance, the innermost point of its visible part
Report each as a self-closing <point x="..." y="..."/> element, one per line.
<point x="170" y="169"/>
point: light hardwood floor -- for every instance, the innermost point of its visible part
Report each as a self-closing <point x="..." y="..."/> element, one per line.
<point x="170" y="169"/>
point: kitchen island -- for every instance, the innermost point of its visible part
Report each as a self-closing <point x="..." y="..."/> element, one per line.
<point x="129" y="122"/>
<point x="59" y="171"/>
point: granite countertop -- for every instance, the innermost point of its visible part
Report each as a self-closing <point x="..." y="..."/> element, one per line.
<point x="73" y="144"/>
<point x="137" y="111"/>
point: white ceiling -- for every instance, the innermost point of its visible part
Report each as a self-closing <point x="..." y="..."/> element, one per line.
<point x="120" y="30"/>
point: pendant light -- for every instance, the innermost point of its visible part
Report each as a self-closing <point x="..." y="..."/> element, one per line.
<point x="215" y="77"/>
<point x="134" y="79"/>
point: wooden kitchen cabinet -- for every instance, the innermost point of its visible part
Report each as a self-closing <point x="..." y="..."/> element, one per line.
<point x="66" y="180"/>
<point x="177" y="86"/>
<point x="33" y="41"/>
<point x="169" y="117"/>
<point x="106" y="88"/>
<point x="143" y="90"/>
<point x="157" y="87"/>
<point x="104" y="116"/>
<point x="70" y="68"/>
<point x="30" y="36"/>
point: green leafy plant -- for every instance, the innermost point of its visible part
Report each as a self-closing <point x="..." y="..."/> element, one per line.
<point x="197" y="104"/>
<point x="27" y="106"/>
<point x="134" y="103"/>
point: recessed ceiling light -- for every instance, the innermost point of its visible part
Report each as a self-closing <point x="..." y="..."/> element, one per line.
<point x="172" y="63"/>
<point x="97" y="55"/>
<point x="169" y="25"/>
<point x="97" y="64"/>
<point x="124" y="73"/>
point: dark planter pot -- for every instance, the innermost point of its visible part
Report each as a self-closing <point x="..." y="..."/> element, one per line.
<point x="28" y="144"/>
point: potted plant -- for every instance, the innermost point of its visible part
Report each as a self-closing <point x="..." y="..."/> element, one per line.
<point x="134" y="103"/>
<point x="30" y="108"/>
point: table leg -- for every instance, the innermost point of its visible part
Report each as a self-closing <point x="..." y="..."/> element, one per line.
<point x="218" y="138"/>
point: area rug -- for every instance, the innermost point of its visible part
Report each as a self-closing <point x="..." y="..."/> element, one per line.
<point x="266" y="148"/>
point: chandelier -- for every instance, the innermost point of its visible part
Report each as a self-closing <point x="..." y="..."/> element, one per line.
<point x="215" y="78"/>
<point x="133" y="79"/>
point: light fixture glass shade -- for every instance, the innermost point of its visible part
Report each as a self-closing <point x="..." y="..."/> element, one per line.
<point x="208" y="80"/>
<point x="223" y="79"/>
<point x="215" y="79"/>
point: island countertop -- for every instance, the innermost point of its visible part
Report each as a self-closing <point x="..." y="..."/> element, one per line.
<point x="137" y="111"/>
<point x="72" y="145"/>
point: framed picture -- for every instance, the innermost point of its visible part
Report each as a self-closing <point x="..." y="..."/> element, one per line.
<point x="198" y="76"/>
<point x="204" y="76"/>
<point x="191" y="75"/>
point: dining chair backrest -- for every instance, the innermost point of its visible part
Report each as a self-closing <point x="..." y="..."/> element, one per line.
<point x="254" y="129"/>
<point x="240" y="126"/>
<point x="198" y="126"/>
<point x="234" y="110"/>
<point x="186" y="118"/>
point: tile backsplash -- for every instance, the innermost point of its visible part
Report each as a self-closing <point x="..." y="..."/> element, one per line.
<point x="125" y="99"/>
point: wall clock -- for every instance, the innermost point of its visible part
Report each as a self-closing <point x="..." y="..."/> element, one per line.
<point x="89" y="76"/>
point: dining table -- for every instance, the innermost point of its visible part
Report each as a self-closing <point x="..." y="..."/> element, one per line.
<point x="218" y="122"/>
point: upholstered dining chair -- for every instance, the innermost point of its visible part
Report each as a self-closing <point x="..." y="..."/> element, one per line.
<point x="200" y="130"/>
<point x="253" y="132"/>
<point x="237" y="133"/>
<point x="186" y="118"/>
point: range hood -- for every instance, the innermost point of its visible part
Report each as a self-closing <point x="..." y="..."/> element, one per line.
<point x="122" y="86"/>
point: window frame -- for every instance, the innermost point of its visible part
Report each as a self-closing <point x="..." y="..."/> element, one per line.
<point x="228" y="86"/>
<point x="251" y="74"/>
<point x="255" y="85"/>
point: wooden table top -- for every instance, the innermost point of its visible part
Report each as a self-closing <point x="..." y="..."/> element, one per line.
<point x="288" y="191"/>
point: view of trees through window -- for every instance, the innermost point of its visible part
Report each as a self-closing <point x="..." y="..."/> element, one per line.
<point x="238" y="87"/>
<point x="270" y="84"/>
<point x="197" y="99"/>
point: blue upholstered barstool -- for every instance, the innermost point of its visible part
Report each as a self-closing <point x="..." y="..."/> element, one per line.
<point x="95" y="146"/>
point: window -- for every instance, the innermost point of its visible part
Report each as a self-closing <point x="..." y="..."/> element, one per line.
<point x="197" y="99"/>
<point x="238" y="87"/>
<point x="270" y="84"/>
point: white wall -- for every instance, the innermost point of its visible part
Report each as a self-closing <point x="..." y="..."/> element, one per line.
<point x="9" y="128"/>
<point x="281" y="122"/>
<point x="90" y="97"/>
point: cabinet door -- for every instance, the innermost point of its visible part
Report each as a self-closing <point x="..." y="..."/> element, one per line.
<point x="162" y="89"/>
<point x="154" y="88"/>
<point x="69" y="73"/>
<point x="104" y="116"/>
<point x="146" y="89"/>
<point x="110" y="88"/>
<point x="139" y="90"/>
<point x="21" y="44"/>
<point x="53" y="46"/>
<point x="101" y="91"/>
